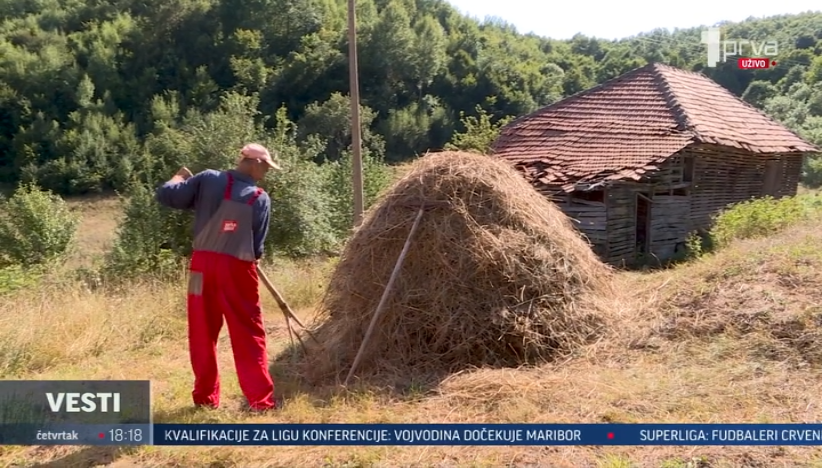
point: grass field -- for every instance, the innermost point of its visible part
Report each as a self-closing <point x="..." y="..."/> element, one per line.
<point x="731" y="337"/>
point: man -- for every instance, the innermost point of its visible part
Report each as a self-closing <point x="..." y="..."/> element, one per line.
<point x="231" y="224"/>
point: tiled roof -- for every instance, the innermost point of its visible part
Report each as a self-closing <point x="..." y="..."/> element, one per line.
<point x="630" y="124"/>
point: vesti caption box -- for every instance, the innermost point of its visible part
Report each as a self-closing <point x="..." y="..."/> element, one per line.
<point x="70" y="412"/>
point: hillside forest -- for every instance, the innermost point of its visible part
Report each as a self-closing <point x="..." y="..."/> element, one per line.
<point x="115" y="95"/>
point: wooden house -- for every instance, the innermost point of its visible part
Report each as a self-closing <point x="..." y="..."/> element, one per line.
<point x="644" y="159"/>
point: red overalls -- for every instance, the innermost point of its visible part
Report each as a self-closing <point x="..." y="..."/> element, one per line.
<point x="223" y="282"/>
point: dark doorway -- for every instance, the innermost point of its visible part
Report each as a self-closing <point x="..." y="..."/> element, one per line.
<point x="643" y="224"/>
<point x="773" y="177"/>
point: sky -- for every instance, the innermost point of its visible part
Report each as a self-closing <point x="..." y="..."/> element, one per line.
<point x="608" y="19"/>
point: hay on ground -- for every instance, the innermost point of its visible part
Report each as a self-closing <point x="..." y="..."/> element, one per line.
<point x="496" y="275"/>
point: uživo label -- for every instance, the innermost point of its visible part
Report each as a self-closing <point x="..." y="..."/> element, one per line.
<point x="755" y="63"/>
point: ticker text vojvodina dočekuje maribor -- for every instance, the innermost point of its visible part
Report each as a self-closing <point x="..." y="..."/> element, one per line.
<point x="730" y="435"/>
<point x="372" y="435"/>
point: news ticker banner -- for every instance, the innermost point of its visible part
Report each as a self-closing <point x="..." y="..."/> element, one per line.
<point x="432" y="435"/>
<point x="119" y="413"/>
<point x="487" y="434"/>
<point x="69" y="412"/>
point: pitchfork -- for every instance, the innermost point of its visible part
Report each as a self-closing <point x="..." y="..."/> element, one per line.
<point x="288" y="313"/>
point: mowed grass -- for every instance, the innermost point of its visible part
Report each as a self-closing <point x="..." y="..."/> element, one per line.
<point x="731" y="337"/>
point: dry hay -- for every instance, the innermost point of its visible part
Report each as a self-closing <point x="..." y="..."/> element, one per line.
<point x="496" y="275"/>
<point x="764" y="293"/>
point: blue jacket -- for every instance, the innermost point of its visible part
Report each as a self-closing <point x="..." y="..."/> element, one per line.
<point x="204" y="192"/>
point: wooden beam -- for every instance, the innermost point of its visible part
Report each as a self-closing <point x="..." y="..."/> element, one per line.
<point x="385" y="294"/>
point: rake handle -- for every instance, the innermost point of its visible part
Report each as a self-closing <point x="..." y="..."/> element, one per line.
<point x="385" y="294"/>
<point x="286" y="309"/>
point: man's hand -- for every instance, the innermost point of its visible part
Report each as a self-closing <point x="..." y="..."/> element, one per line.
<point x="182" y="175"/>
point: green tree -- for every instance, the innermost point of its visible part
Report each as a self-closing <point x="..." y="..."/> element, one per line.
<point x="101" y="96"/>
<point x="330" y="122"/>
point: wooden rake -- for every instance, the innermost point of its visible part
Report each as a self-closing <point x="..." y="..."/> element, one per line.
<point x="288" y="313"/>
<point x="386" y="293"/>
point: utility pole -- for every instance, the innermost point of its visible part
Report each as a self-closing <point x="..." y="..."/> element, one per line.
<point x="356" y="135"/>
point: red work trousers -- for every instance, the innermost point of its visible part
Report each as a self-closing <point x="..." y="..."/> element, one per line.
<point x="228" y="288"/>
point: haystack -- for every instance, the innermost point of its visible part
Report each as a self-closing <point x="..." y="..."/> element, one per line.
<point x="496" y="275"/>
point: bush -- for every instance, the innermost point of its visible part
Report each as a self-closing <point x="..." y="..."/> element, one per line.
<point x="301" y="217"/>
<point x="480" y="132"/>
<point x="15" y="277"/>
<point x="812" y="172"/>
<point x="763" y="217"/>
<point x="696" y="244"/>
<point x="340" y="188"/>
<point x="36" y="227"/>
<point x="148" y="239"/>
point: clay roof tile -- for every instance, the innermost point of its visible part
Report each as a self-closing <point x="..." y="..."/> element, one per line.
<point x="634" y="121"/>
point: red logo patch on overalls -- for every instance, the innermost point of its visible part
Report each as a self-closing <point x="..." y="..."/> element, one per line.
<point x="229" y="226"/>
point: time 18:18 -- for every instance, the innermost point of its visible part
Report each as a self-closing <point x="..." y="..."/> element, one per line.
<point x="126" y="435"/>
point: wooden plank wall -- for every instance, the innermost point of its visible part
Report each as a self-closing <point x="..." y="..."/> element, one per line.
<point x="669" y="213"/>
<point x="725" y="176"/>
<point x="670" y="224"/>
<point x="589" y="217"/>
<point x="621" y="206"/>
<point x="791" y="175"/>
<point x="610" y="226"/>
<point x="680" y="204"/>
